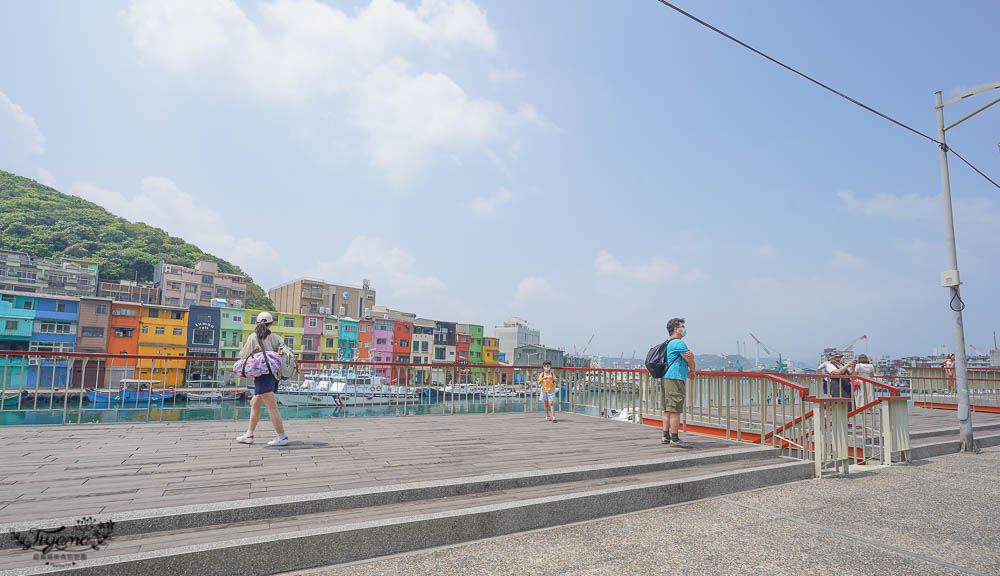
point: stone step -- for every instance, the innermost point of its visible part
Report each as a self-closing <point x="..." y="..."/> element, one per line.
<point x="390" y="521"/>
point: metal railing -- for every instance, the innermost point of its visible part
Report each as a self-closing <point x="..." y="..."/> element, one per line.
<point x="774" y="410"/>
<point x="935" y="387"/>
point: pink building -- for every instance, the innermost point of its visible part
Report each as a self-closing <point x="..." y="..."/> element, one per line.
<point x="382" y="344"/>
<point x="312" y="338"/>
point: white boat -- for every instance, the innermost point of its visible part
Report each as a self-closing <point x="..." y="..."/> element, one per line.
<point x="351" y="388"/>
<point x="205" y="396"/>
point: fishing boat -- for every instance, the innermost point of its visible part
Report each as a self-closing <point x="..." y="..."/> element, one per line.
<point x="127" y="395"/>
<point x="347" y="388"/>
<point x="211" y="396"/>
<point x="9" y="399"/>
<point x="452" y="392"/>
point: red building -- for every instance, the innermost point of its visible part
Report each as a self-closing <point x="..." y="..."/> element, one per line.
<point x="462" y="348"/>
<point x="402" y="342"/>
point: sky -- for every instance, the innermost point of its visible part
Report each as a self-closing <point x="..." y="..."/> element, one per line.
<point x="595" y="168"/>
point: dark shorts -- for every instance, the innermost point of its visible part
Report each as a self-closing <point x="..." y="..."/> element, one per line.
<point x="264" y="384"/>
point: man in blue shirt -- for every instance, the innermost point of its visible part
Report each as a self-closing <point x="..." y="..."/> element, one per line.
<point x="672" y="387"/>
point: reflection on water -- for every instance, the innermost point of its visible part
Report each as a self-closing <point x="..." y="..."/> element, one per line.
<point x="56" y="413"/>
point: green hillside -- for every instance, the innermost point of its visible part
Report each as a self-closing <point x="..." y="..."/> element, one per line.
<point x="45" y="222"/>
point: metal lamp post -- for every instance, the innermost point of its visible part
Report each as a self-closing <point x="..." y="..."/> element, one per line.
<point x="950" y="278"/>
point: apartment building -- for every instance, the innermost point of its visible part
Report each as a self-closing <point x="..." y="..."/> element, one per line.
<point x="183" y="286"/>
<point x="312" y="296"/>
<point x="536" y="354"/>
<point x="163" y="333"/>
<point x="128" y="291"/>
<point x="123" y="338"/>
<point x="22" y="272"/>
<point x="515" y="333"/>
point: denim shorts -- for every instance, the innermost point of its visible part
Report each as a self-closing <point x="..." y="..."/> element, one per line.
<point x="547" y="396"/>
<point x="264" y="384"/>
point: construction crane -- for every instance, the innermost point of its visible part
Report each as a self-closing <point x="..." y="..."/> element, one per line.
<point x="737" y="365"/>
<point x="853" y="343"/>
<point x="760" y="344"/>
<point x="579" y="357"/>
<point x="977" y="350"/>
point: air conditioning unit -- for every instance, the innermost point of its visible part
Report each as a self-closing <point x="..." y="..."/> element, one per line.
<point x="33" y="361"/>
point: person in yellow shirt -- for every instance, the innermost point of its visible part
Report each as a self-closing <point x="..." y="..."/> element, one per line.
<point x="547" y="382"/>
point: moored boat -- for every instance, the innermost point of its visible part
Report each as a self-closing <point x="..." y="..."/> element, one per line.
<point x="127" y="395"/>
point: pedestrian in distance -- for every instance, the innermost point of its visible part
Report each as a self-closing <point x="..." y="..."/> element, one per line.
<point x="264" y="386"/>
<point x="949" y="372"/>
<point x="863" y="391"/>
<point x="673" y="388"/>
<point x="837" y="384"/>
<point x="547" y="383"/>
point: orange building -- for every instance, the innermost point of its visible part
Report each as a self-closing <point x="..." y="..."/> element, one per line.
<point x="123" y="338"/>
<point x="366" y="331"/>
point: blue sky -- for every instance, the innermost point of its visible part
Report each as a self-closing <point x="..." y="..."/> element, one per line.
<point x="593" y="167"/>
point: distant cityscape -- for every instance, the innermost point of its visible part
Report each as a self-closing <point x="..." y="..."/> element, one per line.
<point x="63" y="305"/>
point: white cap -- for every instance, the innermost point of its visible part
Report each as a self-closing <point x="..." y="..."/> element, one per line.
<point x="265" y="317"/>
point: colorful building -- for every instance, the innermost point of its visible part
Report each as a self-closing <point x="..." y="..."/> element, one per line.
<point x="231" y="330"/>
<point x="445" y="341"/>
<point x="347" y="342"/>
<point x="55" y="330"/>
<point x="331" y="334"/>
<point x="162" y="333"/>
<point x="384" y="339"/>
<point x="204" y="332"/>
<point x="123" y="338"/>
<point x="422" y="347"/>
<point x="92" y="338"/>
<point x="366" y="336"/>
<point x="491" y="351"/>
<point x="401" y="342"/>
<point x="312" y="339"/>
<point x="17" y="320"/>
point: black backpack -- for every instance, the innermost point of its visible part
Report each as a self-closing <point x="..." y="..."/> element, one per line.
<point x="656" y="359"/>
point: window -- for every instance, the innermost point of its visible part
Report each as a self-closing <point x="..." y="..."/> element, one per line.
<point x="54" y="328"/>
<point x="92" y="331"/>
<point x="343" y="310"/>
<point x="51" y="347"/>
<point x="7" y="298"/>
<point x="206" y="279"/>
<point x="57" y="279"/>
<point x="11" y="325"/>
<point x="290" y="341"/>
<point x="206" y="293"/>
<point x="60" y="306"/>
<point x="329" y="327"/>
<point x="423" y="346"/>
<point x="26" y="277"/>
<point x="174" y="285"/>
<point x="438" y="353"/>
<point x="188" y="302"/>
<point x="405" y="343"/>
<point x="237" y="317"/>
<point x="160" y="330"/>
<point x="145" y="329"/>
<point x="380" y="340"/>
<point x="29" y="304"/>
<point x="173" y="301"/>
<point x="307" y="342"/>
<point x="101" y="309"/>
<point x="83" y="281"/>
<point x="178" y="331"/>
<point x="416" y="346"/>
<point x="406" y="328"/>
<point x="203" y="337"/>
<point x="153" y="313"/>
<point x="313" y="323"/>
<point x="289" y="322"/>
<point x="221" y="292"/>
<point x="123" y="332"/>
<point x="253" y="319"/>
<point x="329" y="342"/>
<point x="192" y="288"/>
<point x="177" y="315"/>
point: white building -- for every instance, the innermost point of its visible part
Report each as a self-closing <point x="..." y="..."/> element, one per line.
<point x="515" y="333"/>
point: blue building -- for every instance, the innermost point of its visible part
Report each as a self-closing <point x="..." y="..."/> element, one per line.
<point x="53" y="329"/>
<point x="17" y="319"/>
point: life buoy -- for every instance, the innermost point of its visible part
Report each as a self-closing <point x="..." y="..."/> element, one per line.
<point x="372" y="389"/>
<point x="379" y="388"/>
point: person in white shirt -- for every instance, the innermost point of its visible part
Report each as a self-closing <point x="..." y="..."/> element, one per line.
<point x="863" y="391"/>
<point x="838" y="381"/>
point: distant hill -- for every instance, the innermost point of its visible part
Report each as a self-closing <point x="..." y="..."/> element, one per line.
<point x="45" y="222"/>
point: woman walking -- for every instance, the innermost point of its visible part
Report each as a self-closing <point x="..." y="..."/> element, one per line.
<point x="264" y="386"/>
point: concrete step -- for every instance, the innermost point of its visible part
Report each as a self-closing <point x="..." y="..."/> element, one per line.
<point x="929" y="446"/>
<point x="344" y="527"/>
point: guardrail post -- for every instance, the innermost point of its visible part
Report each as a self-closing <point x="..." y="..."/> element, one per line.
<point x="830" y="433"/>
<point x="895" y="429"/>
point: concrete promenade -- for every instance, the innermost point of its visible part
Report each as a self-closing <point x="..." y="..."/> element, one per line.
<point x="935" y="516"/>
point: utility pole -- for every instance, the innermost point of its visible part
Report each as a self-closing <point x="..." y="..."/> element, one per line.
<point x="950" y="278"/>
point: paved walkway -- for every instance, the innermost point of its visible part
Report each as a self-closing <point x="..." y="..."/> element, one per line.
<point x="76" y="470"/>
<point x="937" y="516"/>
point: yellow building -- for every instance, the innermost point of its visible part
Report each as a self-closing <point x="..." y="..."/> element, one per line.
<point x="328" y="342"/>
<point x="162" y="333"/>
<point x="288" y="326"/>
<point x="491" y="351"/>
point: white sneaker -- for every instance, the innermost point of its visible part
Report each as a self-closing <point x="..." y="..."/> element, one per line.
<point x="283" y="440"/>
<point x="245" y="439"/>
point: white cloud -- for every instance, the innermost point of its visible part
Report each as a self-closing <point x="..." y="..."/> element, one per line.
<point x="656" y="271"/>
<point x="19" y="135"/>
<point x="490" y="204"/>
<point x="504" y="75"/>
<point x="161" y="203"/>
<point x="46" y="177"/>
<point x="843" y="259"/>
<point x="764" y="250"/>
<point x="305" y="51"/>
<point x="908" y="207"/>
<point x="531" y="289"/>
<point x="388" y="267"/>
